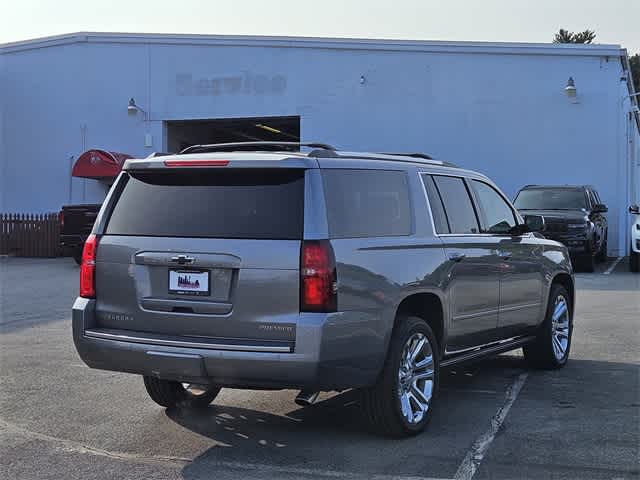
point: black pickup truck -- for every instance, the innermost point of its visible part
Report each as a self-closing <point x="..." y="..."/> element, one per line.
<point x="76" y="222"/>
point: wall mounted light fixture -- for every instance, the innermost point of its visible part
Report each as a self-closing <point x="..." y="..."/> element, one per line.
<point x="132" y="108"/>
<point x="570" y="90"/>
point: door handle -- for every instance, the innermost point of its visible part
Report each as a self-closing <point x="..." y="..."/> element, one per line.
<point x="503" y="254"/>
<point x="456" y="256"/>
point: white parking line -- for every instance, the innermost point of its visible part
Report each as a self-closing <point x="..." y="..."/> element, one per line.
<point x="474" y="456"/>
<point x="613" y="265"/>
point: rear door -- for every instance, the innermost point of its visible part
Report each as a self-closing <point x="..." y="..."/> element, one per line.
<point x="204" y="255"/>
<point x="474" y="282"/>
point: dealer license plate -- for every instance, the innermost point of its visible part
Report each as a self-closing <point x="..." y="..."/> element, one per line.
<point x="189" y="282"/>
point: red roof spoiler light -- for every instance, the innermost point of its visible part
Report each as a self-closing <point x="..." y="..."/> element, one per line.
<point x="196" y="163"/>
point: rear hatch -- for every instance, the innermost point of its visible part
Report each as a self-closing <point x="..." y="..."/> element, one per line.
<point x="203" y="256"/>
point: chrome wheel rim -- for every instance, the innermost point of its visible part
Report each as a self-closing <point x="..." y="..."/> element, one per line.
<point x="560" y="328"/>
<point x="416" y="378"/>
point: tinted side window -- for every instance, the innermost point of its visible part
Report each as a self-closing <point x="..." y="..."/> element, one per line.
<point x="435" y="202"/>
<point x="498" y="216"/>
<point x="366" y="203"/>
<point x="457" y="204"/>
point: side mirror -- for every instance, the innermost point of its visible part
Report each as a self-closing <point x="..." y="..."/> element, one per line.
<point x="635" y="209"/>
<point x="535" y="223"/>
<point x="600" y="208"/>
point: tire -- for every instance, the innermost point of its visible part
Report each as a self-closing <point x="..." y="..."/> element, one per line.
<point x="634" y="262"/>
<point x="167" y="393"/>
<point x="587" y="263"/>
<point x="544" y="351"/>
<point x="77" y="255"/>
<point x="602" y="254"/>
<point x="382" y="403"/>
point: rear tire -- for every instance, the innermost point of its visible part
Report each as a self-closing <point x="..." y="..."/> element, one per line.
<point x="401" y="402"/>
<point x="634" y="262"/>
<point x="550" y="350"/>
<point x="168" y="393"/>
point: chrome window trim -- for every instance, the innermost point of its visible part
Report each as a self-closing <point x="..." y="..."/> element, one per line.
<point x="483" y="234"/>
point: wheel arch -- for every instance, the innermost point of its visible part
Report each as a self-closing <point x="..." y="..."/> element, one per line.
<point x="567" y="282"/>
<point x="429" y="307"/>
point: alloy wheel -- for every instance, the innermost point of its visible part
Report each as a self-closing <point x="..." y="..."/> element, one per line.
<point x="560" y="327"/>
<point x="416" y="378"/>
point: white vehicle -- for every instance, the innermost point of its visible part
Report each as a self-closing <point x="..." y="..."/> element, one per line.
<point x="634" y="254"/>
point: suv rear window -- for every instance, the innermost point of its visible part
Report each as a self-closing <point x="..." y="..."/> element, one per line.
<point x="367" y="203"/>
<point x="241" y="203"/>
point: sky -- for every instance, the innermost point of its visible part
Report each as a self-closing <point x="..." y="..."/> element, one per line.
<point x="615" y="21"/>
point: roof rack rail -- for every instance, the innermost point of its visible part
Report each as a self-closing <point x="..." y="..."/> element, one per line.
<point x="399" y="157"/>
<point x="413" y="155"/>
<point x="254" y="147"/>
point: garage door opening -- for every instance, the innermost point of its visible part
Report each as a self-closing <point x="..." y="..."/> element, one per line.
<point x="184" y="133"/>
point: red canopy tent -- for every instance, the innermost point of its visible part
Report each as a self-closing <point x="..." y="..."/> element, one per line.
<point x="99" y="164"/>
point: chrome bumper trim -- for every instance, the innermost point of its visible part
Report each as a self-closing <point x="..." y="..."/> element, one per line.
<point x="176" y="343"/>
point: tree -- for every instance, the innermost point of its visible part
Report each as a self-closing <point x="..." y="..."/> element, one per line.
<point x="565" y="36"/>
<point x="634" y="61"/>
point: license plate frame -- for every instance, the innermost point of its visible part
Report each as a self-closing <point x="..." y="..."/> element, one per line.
<point x="192" y="276"/>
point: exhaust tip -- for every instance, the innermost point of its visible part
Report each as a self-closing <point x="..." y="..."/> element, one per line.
<point x="306" y="398"/>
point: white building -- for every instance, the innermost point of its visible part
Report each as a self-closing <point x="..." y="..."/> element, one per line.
<point x="499" y="108"/>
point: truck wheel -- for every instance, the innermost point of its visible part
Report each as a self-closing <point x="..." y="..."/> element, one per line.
<point x="168" y="393"/>
<point x="587" y="263"/>
<point x="602" y="254"/>
<point x="77" y="255"/>
<point x="550" y="349"/>
<point x="634" y="262"/>
<point x="401" y="402"/>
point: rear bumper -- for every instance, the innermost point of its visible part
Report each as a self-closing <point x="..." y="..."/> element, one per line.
<point x="324" y="357"/>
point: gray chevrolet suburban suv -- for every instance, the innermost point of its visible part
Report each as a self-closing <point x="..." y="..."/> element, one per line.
<point x="256" y="266"/>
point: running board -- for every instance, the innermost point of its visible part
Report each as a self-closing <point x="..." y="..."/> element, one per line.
<point x="482" y="352"/>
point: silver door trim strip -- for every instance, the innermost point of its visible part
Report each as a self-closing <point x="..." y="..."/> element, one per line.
<point x="177" y="343"/>
<point x="476" y="314"/>
<point x="519" y="307"/>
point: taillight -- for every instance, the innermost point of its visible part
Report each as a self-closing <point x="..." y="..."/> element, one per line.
<point x="318" y="282"/>
<point x="88" y="268"/>
<point x="61" y="218"/>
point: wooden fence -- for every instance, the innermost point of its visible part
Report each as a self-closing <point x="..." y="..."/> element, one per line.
<point x="30" y="235"/>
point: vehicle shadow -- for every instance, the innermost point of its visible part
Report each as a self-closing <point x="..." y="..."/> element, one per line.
<point x="333" y="434"/>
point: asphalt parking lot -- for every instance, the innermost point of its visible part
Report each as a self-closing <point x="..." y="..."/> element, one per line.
<point x="495" y="419"/>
